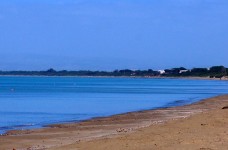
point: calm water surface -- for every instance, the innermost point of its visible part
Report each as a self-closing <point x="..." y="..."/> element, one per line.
<point x="30" y="102"/>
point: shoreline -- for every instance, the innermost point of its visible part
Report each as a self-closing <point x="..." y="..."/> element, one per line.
<point x="58" y="135"/>
<point x="137" y="77"/>
<point x="60" y="123"/>
<point x="69" y="122"/>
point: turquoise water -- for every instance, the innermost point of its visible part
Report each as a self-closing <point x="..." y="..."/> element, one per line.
<point x="30" y="102"/>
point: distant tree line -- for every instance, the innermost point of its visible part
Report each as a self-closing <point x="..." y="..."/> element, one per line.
<point x="213" y="72"/>
<point x="52" y="72"/>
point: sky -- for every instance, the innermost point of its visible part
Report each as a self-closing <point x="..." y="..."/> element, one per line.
<point x="112" y="34"/>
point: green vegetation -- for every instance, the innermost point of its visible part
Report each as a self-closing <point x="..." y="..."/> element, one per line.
<point x="213" y="72"/>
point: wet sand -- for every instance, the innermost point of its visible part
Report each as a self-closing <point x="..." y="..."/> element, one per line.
<point x="202" y="125"/>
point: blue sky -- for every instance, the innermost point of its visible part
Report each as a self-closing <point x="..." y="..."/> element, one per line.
<point x="112" y="34"/>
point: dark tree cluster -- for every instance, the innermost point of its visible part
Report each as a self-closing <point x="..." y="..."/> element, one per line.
<point x="213" y="72"/>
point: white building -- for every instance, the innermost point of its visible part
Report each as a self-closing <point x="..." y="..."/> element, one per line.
<point x="182" y="71"/>
<point x="161" y="71"/>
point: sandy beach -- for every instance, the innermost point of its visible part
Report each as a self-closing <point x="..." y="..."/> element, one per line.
<point x="201" y="126"/>
<point x="113" y="75"/>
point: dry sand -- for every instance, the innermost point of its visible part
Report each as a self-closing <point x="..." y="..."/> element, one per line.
<point x="199" y="126"/>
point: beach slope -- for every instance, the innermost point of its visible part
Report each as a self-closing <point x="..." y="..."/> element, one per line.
<point x="202" y="125"/>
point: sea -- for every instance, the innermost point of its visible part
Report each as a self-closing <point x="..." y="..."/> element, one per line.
<point x="34" y="102"/>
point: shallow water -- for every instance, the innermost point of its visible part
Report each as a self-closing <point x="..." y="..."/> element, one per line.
<point x="30" y="102"/>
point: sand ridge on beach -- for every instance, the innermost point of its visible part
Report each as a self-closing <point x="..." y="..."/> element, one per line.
<point x="201" y="126"/>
